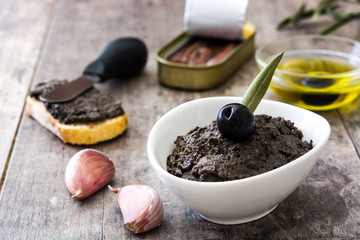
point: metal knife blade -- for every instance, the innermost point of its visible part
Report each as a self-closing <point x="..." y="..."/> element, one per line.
<point x="68" y="91"/>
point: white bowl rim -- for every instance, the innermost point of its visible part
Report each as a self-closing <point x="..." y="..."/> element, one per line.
<point x="157" y="166"/>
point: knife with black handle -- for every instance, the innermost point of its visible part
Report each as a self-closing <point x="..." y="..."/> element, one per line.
<point x="121" y="58"/>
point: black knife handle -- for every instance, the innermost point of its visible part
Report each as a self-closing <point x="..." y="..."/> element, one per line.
<point x="121" y="58"/>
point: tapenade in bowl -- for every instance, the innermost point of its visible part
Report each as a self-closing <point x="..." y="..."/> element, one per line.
<point x="248" y="197"/>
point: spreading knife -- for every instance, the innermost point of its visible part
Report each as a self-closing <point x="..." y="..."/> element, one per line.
<point x="121" y="58"/>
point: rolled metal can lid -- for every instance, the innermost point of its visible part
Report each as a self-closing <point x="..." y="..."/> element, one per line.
<point x="215" y="18"/>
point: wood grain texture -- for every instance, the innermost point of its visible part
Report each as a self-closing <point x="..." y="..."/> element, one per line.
<point x="34" y="201"/>
<point x="21" y="37"/>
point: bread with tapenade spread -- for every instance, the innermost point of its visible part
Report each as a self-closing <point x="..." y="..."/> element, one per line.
<point x="88" y="119"/>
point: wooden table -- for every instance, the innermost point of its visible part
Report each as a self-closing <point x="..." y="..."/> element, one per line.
<point x="45" y="39"/>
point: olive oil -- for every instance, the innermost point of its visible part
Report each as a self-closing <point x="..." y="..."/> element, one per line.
<point x="316" y="84"/>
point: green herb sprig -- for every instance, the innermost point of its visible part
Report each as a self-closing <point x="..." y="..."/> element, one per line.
<point x="259" y="86"/>
<point x="324" y="7"/>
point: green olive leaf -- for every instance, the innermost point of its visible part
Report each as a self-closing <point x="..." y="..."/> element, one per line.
<point x="259" y="86"/>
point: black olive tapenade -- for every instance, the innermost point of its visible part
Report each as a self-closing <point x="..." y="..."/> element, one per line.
<point x="91" y="106"/>
<point x="204" y="155"/>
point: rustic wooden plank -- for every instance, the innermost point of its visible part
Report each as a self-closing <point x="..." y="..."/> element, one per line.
<point x="21" y="37"/>
<point x="351" y="118"/>
<point x="35" y="203"/>
<point x="45" y="214"/>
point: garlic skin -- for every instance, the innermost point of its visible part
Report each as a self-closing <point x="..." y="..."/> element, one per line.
<point x="141" y="207"/>
<point x="88" y="171"/>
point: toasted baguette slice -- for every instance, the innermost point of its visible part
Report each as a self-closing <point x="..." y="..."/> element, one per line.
<point x="76" y="133"/>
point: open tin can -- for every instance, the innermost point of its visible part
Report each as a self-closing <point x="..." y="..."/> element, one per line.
<point x="201" y="77"/>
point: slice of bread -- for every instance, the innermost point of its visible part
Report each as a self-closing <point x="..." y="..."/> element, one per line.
<point x="76" y="133"/>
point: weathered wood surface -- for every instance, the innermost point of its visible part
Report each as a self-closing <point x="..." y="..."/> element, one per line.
<point x="34" y="201"/>
<point x="21" y="38"/>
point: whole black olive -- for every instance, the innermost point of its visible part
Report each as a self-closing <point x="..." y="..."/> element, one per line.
<point x="236" y="122"/>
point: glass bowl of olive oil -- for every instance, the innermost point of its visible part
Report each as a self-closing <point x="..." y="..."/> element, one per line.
<point x="316" y="72"/>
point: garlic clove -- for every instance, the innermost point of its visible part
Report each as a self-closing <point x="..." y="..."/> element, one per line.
<point x="141" y="207"/>
<point x="88" y="171"/>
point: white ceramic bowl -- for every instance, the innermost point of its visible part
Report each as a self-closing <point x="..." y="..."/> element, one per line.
<point x="243" y="200"/>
